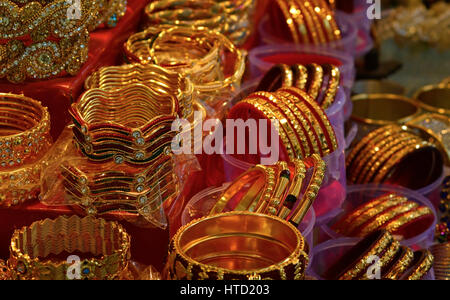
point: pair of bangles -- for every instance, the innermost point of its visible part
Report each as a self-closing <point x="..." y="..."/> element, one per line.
<point x="394" y="261"/>
<point x="390" y="212"/>
<point x="237" y="246"/>
<point x="308" y="22"/>
<point x="36" y="250"/>
<point x="232" y="18"/>
<point x="53" y="40"/>
<point x="304" y="128"/>
<point x="25" y="139"/>
<point x="278" y="190"/>
<point x="214" y="65"/>
<point x="321" y="82"/>
<point x="397" y="154"/>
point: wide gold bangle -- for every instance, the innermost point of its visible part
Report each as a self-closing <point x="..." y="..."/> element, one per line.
<point x="434" y="98"/>
<point x="34" y="250"/>
<point x="237" y="245"/>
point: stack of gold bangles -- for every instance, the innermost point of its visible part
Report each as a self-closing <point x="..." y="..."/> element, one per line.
<point x="309" y="22"/>
<point x="321" y="82"/>
<point x="160" y="80"/>
<point x="390" y="212"/>
<point x="24" y="139"/>
<point x="304" y="127"/>
<point x="205" y="56"/>
<point x="35" y="251"/>
<point x="232" y="18"/>
<point x="129" y="131"/>
<point x="237" y="245"/>
<point x="275" y="190"/>
<point x="396" y="154"/>
<point x="441" y="253"/>
<point x="396" y="262"/>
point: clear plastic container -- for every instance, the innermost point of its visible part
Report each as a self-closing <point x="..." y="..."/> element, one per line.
<point x="328" y="253"/>
<point x="332" y="193"/>
<point x="201" y="204"/>
<point x="433" y="191"/>
<point x="364" y="41"/>
<point x="261" y="59"/>
<point x="347" y="44"/>
<point x="358" y="194"/>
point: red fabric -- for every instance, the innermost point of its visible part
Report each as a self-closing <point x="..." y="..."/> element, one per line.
<point x="304" y="58"/>
<point x="104" y="49"/>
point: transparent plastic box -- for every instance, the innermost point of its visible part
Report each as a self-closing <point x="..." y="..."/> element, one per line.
<point x="358" y="194"/>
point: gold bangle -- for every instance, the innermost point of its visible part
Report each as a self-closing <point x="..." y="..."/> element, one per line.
<point x="315" y="21"/>
<point x="333" y="85"/>
<point x="106" y="243"/>
<point x="387" y="257"/>
<point x="385" y="216"/>
<point x="268" y="206"/>
<point x="315" y="72"/>
<point x="401" y="264"/>
<point x="197" y="249"/>
<point x="26" y="131"/>
<point x="294" y="191"/>
<point x="278" y="76"/>
<point x="395" y="224"/>
<point x="300" y="76"/>
<point x="287" y="8"/>
<point x="422" y="263"/>
<point x="309" y="23"/>
<point x="434" y="98"/>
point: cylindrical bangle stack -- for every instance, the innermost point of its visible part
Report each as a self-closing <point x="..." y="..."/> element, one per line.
<point x="389" y="212"/>
<point x="35" y="250"/>
<point x="275" y="190"/>
<point x="309" y="22"/>
<point x="203" y="55"/>
<point x="232" y="18"/>
<point x="395" y="154"/>
<point x="395" y="262"/>
<point x="25" y="138"/>
<point x="304" y="127"/>
<point x="237" y="245"/>
<point x="321" y="82"/>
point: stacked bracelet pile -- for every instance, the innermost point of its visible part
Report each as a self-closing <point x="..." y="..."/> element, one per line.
<point x="390" y="212"/>
<point x="304" y="127"/>
<point x="441" y="253"/>
<point x="160" y="80"/>
<point x="35" y="250"/>
<point x="202" y="54"/>
<point x="275" y="190"/>
<point x="321" y="82"/>
<point x="395" y="261"/>
<point x="237" y="245"/>
<point x="25" y="138"/>
<point x="309" y="22"/>
<point x="47" y="43"/>
<point x="395" y="154"/>
<point x="232" y="18"/>
<point x="129" y="132"/>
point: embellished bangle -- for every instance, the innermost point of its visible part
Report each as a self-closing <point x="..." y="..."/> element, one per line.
<point x="316" y="74"/>
<point x="293" y="194"/>
<point x="106" y="246"/>
<point x="387" y="257"/>
<point x="355" y="261"/>
<point x="163" y="81"/>
<point x="29" y="51"/>
<point x="266" y="246"/>
<point x="334" y="75"/>
<point x="300" y="76"/>
<point x="278" y="76"/>
<point x="420" y="266"/>
<point x="26" y="136"/>
<point x="400" y="223"/>
<point x="433" y="98"/>
<point x="400" y="264"/>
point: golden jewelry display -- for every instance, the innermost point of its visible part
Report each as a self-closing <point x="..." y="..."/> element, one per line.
<point x="441" y="267"/>
<point x="388" y="154"/>
<point x="231" y="18"/>
<point x="434" y="98"/>
<point x="309" y="22"/>
<point x="48" y="44"/>
<point x="237" y="245"/>
<point x="160" y="80"/>
<point x="34" y="250"/>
